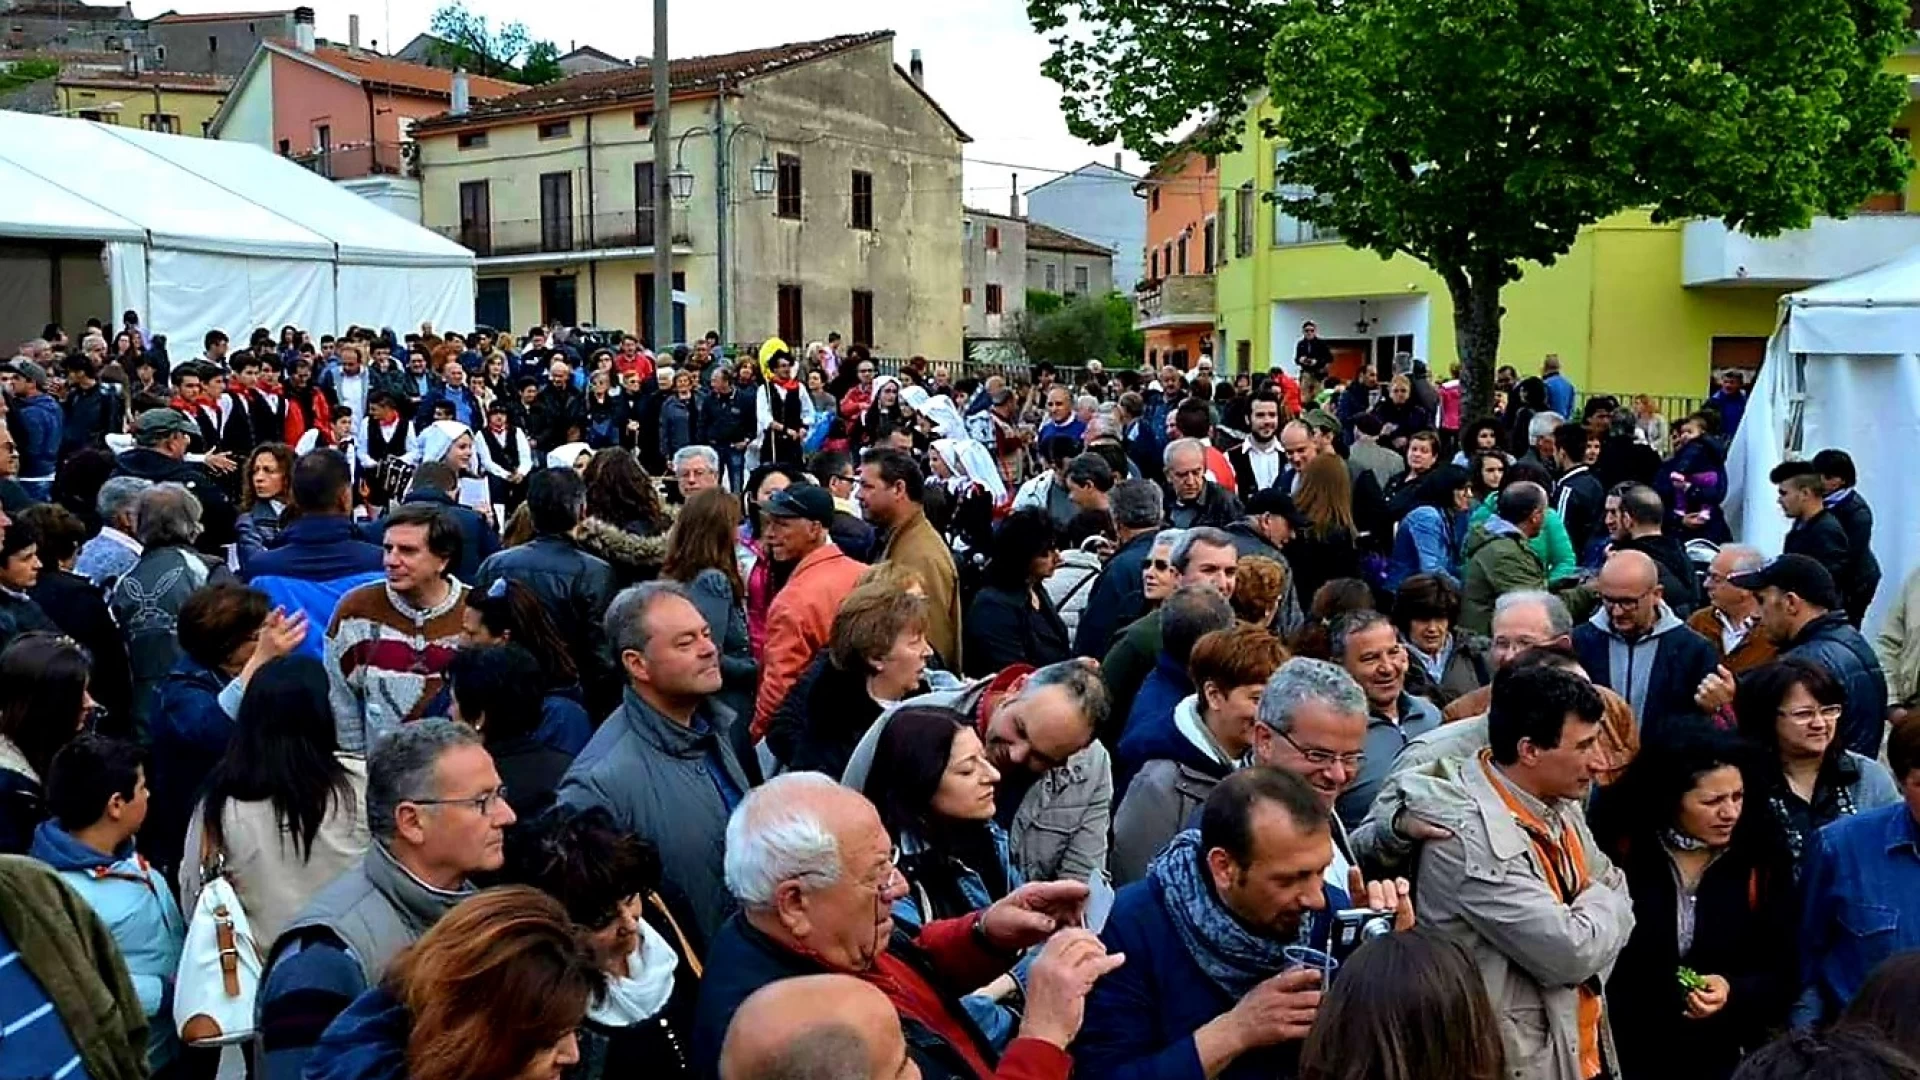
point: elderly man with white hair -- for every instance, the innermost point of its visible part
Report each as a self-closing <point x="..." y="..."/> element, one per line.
<point x="113" y="551"/>
<point x="814" y="872"/>
<point x="1197" y="499"/>
<point x="696" y="468"/>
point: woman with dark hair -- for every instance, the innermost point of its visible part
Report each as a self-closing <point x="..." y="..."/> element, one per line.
<point x="1713" y="896"/>
<point x="609" y="882"/>
<point x="265" y="493"/>
<point x="77" y="485"/>
<point x="1888" y="1004"/>
<point x="876" y="657"/>
<point x="934" y="787"/>
<point x="1483" y="436"/>
<point x="1011" y="620"/>
<point x="495" y="689"/>
<point x="511" y="612"/>
<point x="496" y="990"/>
<point x="1445" y="661"/>
<point x="43" y="705"/>
<point x="1330" y="601"/>
<point x="1841" y="1053"/>
<point x="1326" y="549"/>
<point x="625" y="523"/>
<point x="228" y="632"/>
<point x="1408" y="1006"/>
<point x="308" y="407"/>
<point x="1487" y="472"/>
<point x="701" y="556"/>
<point x="281" y="812"/>
<point x="1433" y="529"/>
<point x="1790" y="711"/>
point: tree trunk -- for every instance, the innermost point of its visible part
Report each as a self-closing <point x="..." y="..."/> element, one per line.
<point x="1476" y="331"/>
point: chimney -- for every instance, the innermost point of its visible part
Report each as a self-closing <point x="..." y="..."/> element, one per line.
<point x="353" y="35"/>
<point x="303" y="28"/>
<point x="1116" y="154"/>
<point x="1013" y="197"/>
<point x="132" y="65"/>
<point x="459" y="93"/>
<point x="917" y="70"/>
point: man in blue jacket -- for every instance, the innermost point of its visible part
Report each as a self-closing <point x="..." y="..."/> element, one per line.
<point x="1207" y="990"/>
<point x="1118" y="596"/>
<point x="320" y="555"/>
<point x="40" y="426"/>
<point x="1800" y="609"/>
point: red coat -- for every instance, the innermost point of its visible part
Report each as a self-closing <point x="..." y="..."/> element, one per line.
<point x="298" y="423"/>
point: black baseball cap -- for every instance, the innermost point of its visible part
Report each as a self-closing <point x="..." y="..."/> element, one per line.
<point x="1278" y="503"/>
<point x="1797" y="574"/>
<point x="809" y="501"/>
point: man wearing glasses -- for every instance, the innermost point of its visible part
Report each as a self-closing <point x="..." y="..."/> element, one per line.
<point x="1312" y="722"/>
<point x="1636" y="646"/>
<point x="437" y="811"/>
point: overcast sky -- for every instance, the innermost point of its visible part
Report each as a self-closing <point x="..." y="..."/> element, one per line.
<point x="982" y="58"/>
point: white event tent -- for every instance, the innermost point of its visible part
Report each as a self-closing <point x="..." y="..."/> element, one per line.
<point x="201" y="234"/>
<point x="1842" y="370"/>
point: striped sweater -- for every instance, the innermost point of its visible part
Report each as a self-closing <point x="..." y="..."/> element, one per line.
<point x="386" y="660"/>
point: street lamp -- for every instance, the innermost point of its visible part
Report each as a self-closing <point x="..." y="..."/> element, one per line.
<point x="763" y="176"/>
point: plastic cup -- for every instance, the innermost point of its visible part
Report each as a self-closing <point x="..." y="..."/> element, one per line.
<point x="1295" y="957"/>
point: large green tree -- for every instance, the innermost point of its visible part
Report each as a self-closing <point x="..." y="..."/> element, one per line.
<point x="1481" y="135"/>
<point x="510" y="52"/>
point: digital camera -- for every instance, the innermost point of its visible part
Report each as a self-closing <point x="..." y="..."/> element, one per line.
<point x="1352" y="927"/>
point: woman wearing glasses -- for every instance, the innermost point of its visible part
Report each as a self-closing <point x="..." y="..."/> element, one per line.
<point x="1790" y="710"/>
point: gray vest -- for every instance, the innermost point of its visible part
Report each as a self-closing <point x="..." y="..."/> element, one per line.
<point x="376" y="908"/>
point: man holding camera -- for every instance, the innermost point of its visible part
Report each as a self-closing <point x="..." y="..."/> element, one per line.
<point x="1518" y="879"/>
<point x="1228" y="940"/>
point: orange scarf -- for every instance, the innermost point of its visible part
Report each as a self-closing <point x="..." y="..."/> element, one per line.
<point x="1563" y="862"/>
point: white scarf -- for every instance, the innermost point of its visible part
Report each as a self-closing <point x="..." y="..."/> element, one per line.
<point x="645" y="990"/>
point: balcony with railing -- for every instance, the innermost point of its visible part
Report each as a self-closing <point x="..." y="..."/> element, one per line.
<point x="1179" y="300"/>
<point x="1714" y="255"/>
<point x="579" y="233"/>
<point x="362" y="159"/>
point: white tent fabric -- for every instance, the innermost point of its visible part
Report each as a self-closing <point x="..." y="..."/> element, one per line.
<point x="1841" y="371"/>
<point x="207" y="235"/>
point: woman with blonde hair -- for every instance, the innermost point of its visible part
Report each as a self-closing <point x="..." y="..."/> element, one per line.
<point x="700" y="555"/>
<point x="1400" y="415"/>
<point x="1327" y="547"/>
<point x="496" y="990"/>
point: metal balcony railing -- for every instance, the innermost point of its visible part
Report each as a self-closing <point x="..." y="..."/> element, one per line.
<point x="365" y="159"/>
<point x="579" y="232"/>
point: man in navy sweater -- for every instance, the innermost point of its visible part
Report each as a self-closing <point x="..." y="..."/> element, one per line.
<point x="320" y="555"/>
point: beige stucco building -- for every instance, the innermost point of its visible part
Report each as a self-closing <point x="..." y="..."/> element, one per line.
<point x="860" y="234"/>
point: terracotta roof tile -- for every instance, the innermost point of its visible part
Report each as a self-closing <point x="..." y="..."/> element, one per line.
<point x="387" y="71"/>
<point x="692" y="75"/>
<point x="1048" y="238"/>
<point x="163" y="80"/>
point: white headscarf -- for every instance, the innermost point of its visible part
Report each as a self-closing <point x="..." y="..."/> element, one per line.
<point x="944" y="415"/>
<point x="437" y="441"/>
<point x="971" y="465"/>
<point x="563" y="457"/>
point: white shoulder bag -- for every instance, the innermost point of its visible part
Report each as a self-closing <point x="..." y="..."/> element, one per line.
<point x="220" y="967"/>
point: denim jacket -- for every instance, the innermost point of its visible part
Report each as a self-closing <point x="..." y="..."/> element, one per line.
<point x="1861" y="905"/>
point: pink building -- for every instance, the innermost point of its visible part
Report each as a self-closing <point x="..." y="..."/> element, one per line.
<point x="346" y="112"/>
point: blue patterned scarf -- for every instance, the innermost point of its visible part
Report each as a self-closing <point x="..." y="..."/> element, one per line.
<point x="1236" y="958"/>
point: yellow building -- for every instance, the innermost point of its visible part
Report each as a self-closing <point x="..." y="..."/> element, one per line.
<point x="174" y="102"/>
<point x="1634" y="307"/>
<point x="822" y="194"/>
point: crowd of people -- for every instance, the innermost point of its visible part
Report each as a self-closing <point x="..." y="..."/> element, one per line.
<point x="458" y="706"/>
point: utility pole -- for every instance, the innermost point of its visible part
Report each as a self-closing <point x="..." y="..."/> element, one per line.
<point x="662" y="191"/>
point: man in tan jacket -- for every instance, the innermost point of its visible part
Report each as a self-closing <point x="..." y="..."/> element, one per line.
<point x="890" y="488"/>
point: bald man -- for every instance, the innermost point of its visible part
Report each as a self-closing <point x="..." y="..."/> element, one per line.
<point x="816" y="1027"/>
<point x="1637" y="647"/>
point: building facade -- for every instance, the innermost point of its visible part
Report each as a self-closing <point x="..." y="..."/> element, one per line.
<point x="1635" y="307"/>
<point x="1060" y="262"/>
<point x="995" y="254"/>
<point x="173" y="102"/>
<point x="217" y="43"/>
<point x="855" y="232"/>
<point x="1174" y="303"/>
<point x="1097" y="203"/>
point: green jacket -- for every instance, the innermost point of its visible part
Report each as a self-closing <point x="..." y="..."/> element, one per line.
<point x="1498" y="561"/>
<point x="1136" y="648"/>
<point x="71" y="952"/>
<point x="1553" y="545"/>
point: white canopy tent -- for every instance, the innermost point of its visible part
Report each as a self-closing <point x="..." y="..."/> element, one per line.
<point x="200" y="234"/>
<point x="1842" y="370"/>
